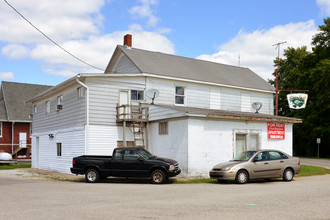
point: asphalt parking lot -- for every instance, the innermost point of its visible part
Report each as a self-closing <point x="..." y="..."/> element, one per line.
<point x="30" y="196"/>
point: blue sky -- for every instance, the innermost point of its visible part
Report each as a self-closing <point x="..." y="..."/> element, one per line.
<point x="237" y="32"/>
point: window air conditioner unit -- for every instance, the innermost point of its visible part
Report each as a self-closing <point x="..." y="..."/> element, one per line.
<point x="59" y="107"/>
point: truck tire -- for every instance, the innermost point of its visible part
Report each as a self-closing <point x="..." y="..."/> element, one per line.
<point x="92" y="176"/>
<point x="158" y="177"/>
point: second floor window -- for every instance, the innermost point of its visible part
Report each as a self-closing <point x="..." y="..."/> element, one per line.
<point x="60" y="100"/>
<point x="80" y="92"/>
<point x="137" y="95"/>
<point x="179" y="95"/>
<point x="47" y="105"/>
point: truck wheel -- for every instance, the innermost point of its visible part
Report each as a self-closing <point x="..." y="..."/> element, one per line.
<point x="92" y="176"/>
<point x="158" y="177"/>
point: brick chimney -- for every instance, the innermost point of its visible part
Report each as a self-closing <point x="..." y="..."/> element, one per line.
<point x="128" y="40"/>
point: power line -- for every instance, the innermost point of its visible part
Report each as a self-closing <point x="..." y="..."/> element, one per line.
<point x="51" y="39"/>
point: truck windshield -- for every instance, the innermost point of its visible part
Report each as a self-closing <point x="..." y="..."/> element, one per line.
<point x="245" y="156"/>
<point x="146" y="154"/>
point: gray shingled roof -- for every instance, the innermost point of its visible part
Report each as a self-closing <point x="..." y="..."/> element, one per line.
<point x="193" y="69"/>
<point x="13" y="106"/>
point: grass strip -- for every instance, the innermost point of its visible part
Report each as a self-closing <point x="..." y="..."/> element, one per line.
<point x="14" y="166"/>
<point x="307" y="170"/>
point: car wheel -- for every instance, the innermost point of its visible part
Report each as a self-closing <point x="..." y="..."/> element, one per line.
<point x="158" y="177"/>
<point x="288" y="174"/>
<point x="242" y="177"/>
<point x="92" y="176"/>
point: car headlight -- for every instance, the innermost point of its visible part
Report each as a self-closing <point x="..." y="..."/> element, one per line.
<point x="227" y="168"/>
<point x="171" y="168"/>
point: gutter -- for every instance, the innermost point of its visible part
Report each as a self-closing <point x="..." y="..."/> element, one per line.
<point x="255" y="118"/>
<point x="87" y="111"/>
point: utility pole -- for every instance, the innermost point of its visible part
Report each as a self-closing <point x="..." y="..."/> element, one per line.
<point x="278" y="65"/>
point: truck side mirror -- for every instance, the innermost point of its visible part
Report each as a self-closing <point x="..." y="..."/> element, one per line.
<point x="140" y="158"/>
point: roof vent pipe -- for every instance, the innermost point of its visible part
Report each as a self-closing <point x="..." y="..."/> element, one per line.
<point x="128" y="40"/>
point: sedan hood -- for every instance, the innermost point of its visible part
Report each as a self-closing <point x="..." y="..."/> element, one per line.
<point x="227" y="164"/>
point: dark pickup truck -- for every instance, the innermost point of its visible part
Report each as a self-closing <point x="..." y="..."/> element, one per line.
<point x="125" y="162"/>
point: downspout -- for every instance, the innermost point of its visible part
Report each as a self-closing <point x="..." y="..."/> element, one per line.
<point x="12" y="136"/>
<point x="87" y="111"/>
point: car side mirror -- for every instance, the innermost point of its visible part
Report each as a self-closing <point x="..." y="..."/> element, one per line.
<point x="255" y="159"/>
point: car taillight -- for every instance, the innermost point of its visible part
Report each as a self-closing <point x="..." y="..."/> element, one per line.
<point x="299" y="162"/>
<point x="73" y="162"/>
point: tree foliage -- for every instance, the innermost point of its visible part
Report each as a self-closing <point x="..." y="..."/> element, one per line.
<point x="304" y="70"/>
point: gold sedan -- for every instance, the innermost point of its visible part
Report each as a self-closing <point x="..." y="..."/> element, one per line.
<point x="261" y="164"/>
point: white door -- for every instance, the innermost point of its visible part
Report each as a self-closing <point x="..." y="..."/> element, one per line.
<point x="22" y="139"/>
<point x="123" y="100"/>
<point x="240" y="144"/>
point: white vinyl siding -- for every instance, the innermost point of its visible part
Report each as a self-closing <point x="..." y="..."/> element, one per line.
<point x="245" y="102"/>
<point x="215" y="98"/>
<point x="73" y="115"/>
<point x="230" y="99"/>
<point x="73" y="145"/>
<point x="125" y="65"/>
<point x="104" y="97"/>
<point x="103" y="139"/>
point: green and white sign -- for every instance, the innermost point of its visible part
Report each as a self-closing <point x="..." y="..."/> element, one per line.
<point x="297" y="100"/>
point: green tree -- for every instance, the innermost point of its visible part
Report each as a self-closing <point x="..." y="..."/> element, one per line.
<point x="303" y="70"/>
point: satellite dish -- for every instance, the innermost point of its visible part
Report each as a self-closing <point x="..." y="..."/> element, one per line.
<point x="152" y="93"/>
<point x="257" y="106"/>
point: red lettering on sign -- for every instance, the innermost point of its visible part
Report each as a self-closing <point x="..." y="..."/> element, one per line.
<point x="276" y="130"/>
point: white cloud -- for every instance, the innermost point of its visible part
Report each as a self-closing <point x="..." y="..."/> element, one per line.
<point x="7" y="75"/>
<point x="15" y="51"/>
<point x="60" y="19"/>
<point x="144" y="11"/>
<point x="325" y="6"/>
<point x="255" y="48"/>
<point x="75" y="25"/>
<point x="97" y="50"/>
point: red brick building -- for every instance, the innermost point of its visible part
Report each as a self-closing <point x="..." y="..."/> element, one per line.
<point x="15" y="119"/>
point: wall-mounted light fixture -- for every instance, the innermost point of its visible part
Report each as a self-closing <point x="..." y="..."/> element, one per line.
<point x="51" y="136"/>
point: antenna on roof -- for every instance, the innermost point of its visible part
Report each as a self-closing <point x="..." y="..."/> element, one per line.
<point x="239" y="59"/>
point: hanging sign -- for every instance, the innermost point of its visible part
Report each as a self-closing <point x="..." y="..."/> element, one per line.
<point x="276" y="130"/>
<point x="297" y="100"/>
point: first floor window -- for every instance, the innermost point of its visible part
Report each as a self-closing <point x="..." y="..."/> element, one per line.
<point x="163" y="128"/>
<point x="179" y="95"/>
<point x="0" y="129"/>
<point x="137" y="95"/>
<point x="59" y="149"/>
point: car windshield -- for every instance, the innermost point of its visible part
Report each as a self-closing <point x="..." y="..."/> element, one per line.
<point x="245" y="156"/>
<point x="146" y="154"/>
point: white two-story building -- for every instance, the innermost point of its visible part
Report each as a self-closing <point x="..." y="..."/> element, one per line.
<point x="202" y="112"/>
